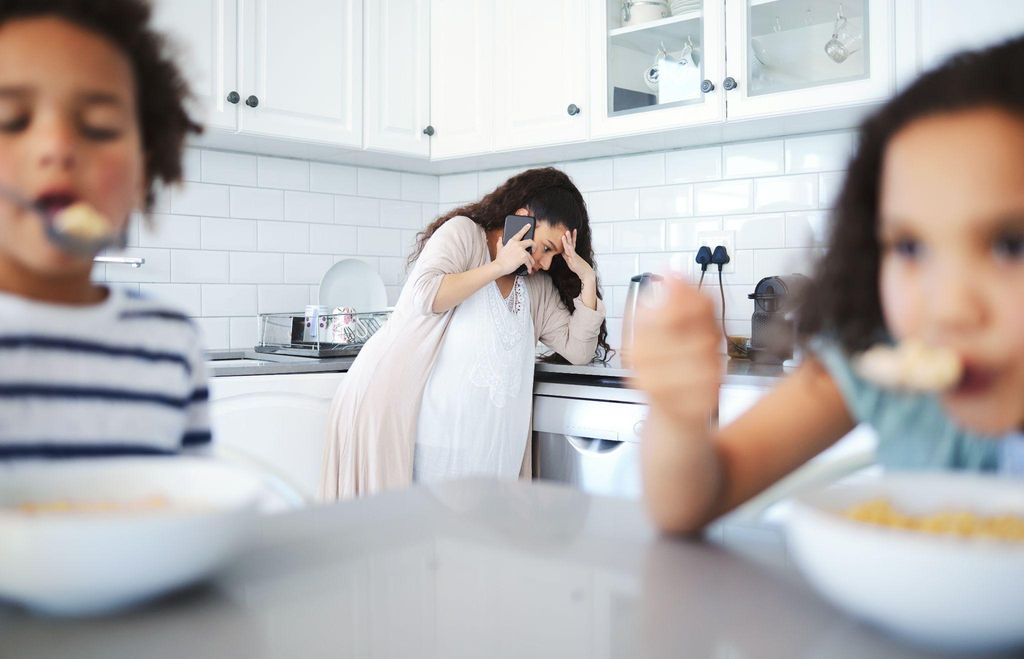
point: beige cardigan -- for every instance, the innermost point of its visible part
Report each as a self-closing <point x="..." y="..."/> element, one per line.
<point x="371" y="428"/>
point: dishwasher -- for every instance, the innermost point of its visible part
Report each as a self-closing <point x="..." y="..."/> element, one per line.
<point x="591" y="443"/>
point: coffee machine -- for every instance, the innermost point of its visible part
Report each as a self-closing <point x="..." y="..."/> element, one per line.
<point x="773" y="325"/>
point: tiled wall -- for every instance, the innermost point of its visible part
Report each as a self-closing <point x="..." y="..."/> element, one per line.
<point x="250" y="234"/>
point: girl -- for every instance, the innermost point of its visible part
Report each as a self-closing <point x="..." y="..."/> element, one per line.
<point x="91" y="111"/>
<point x="445" y="388"/>
<point x="927" y="244"/>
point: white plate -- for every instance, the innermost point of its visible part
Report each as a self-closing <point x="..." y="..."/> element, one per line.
<point x="940" y="591"/>
<point x="353" y="283"/>
<point x="92" y="563"/>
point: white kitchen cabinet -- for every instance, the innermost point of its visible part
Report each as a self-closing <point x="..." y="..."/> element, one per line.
<point x="288" y="70"/>
<point x="625" y="97"/>
<point x="461" y="77"/>
<point x="540" y="73"/>
<point x="275" y="423"/>
<point x="396" y="58"/>
<point x="948" y="26"/>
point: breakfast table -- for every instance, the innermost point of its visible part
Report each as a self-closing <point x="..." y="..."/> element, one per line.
<point x="478" y="568"/>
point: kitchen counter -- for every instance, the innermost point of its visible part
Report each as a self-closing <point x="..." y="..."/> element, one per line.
<point x="478" y="569"/>
<point x="222" y="363"/>
<point x="737" y="372"/>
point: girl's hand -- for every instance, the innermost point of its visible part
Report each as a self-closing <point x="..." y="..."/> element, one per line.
<point x="581" y="268"/>
<point x="676" y="356"/>
<point x="514" y="253"/>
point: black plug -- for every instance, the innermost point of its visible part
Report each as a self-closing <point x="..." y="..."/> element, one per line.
<point x="720" y="256"/>
<point x="704" y="257"/>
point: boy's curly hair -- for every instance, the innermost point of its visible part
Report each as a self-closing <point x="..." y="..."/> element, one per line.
<point x="844" y="301"/>
<point x="160" y="89"/>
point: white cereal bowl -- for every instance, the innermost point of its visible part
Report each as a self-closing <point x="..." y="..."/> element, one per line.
<point x="939" y="591"/>
<point x="92" y="563"/>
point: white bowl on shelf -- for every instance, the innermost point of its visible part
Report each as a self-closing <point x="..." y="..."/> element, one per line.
<point x="947" y="592"/>
<point x="88" y="563"/>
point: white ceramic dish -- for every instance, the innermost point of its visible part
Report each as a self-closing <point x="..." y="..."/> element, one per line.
<point x="353" y="283"/>
<point x="940" y="591"/>
<point x="88" y="563"/>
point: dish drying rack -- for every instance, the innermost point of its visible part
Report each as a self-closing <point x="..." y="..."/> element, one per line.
<point x="335" y="335"/>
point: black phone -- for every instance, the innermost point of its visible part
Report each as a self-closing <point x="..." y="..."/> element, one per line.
<point x="513" y="225"/>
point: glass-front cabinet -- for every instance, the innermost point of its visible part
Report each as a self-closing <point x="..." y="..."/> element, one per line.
<point x="663" y="62"/>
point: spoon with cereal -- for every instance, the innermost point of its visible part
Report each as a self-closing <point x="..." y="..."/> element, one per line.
<point x="74" y="226"/>
<point x="911" y="366"/>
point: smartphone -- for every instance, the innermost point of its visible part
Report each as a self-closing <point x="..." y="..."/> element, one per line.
<point x="513" y="225"/>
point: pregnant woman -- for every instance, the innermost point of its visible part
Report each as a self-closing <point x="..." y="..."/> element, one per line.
<point x="445" y="388"/>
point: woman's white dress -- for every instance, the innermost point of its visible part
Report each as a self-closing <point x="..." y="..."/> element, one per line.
<point x="475" y="416"/>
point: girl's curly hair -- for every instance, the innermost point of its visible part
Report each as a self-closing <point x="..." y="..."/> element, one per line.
<point x="843" y="302"/>
<point x="160" y="89"/>
<point x="551" y="197"/>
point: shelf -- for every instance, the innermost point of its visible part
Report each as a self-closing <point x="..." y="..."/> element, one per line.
<point x="655" y="25"/>
<point x="674" y="29"/>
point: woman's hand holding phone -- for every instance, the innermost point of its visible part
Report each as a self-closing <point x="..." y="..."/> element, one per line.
<point x="515" y="253"/>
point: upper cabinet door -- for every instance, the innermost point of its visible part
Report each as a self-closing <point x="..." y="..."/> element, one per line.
<point x="397" y="62"/>
<point x="948" y="26"/>
<point x="302" y="70"/>
<point x="540" y="85"/>
<point x="789" y="56"/>
<point x="461" y="77"/>
<point x="204" y="32"/>
<point x="655" y="66"/>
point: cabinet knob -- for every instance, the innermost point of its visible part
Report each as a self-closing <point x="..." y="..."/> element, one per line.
<point x="707" y="87"/>
<point x="428" y="131"/>
<point x="234" y="98"/>
<point x="573" y="109"/>
<point x="252" y="101"/>
<point x="729" y="84"/>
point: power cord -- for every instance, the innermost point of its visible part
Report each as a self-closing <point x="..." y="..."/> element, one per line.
<point x="720" y="257"/>
<point x="703" y="258"/>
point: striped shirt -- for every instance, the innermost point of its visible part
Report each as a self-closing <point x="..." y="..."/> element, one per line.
<point x="122" y="377"/>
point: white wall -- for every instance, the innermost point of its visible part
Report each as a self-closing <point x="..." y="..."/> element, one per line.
<point x="250" y="234"/>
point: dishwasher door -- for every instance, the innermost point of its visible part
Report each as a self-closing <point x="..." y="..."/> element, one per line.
<point x="593" y="445"/>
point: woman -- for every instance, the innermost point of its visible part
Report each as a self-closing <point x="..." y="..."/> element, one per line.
<point x="445" y="388"/>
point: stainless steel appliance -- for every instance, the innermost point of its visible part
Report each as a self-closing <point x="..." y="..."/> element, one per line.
<point x="773" y="324"/>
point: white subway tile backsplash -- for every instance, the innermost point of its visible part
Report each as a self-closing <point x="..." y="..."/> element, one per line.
<point x="380" y="242"/>
<point x="590" y="175"/>
<point x="190" y="164"/>
<point x="409" y="241"/>
<point x="819" y="153"/>
<point x="420" y="187"/>
<point x="643" y="236"/>
<point x="393" y="271"/>
<point x="488" y="181"/>
<point x="394" y="292"/>
<point x="666" y="201"/>
<point x="807" y="229"/>
<point x="229" y="168"/>
<point x="282" y="298"/>
<point x="283" y="173"/>
<point x="786" y="193"/>
<point x="664" y="262"/>
<point x="169" y="231"/>
<point x="257" y="203"/>
<point x="229" y="299"/>
<point x="771" y="262"/>
<point x="308" y="207"/>
<point x="401" y="214"/>
<point x="601" y="238"/>
<point x="214" y="333"/>
<point x="256" y="268"/>
<point x="693" y="165"/>
<point x="612" y="205"/>
<point x="199" y="199"/>
<point x="757" y="231"/>
<point x="223" y="234"/>
<point x="616" y="269"/>
<point x="334" y="179"/>
<point x="682" y="234"/>
<point x="356" y="211"/>
<point x="753" y="159"/>
<point x="283" y="237"/>
<point x="183" y="297"/>
<point x="723" y="197"/>
<point x="379" y="183"/>
<point x="328" y="239"/>
<point x="743" y="269"/>
<point x="161" y="198"/>
<point x="829" y="186"/>
<point x="244" y="333"/>
<point x="639" y="171"/>
<point x="306" y="268"/>
<point x="196" y="266"/>
<point x="429" y="213"/>
<point x="157" y="267"/>
<point x="457" y="187"/>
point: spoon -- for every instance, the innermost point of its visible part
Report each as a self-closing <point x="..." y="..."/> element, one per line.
<point x="911" y="366"/>
<point x="65" y="239"/>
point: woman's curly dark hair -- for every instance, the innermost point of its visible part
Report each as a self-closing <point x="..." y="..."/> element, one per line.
<point x="551" y="197"/>
<point x="160" y="89"/>
<point x="843" y="302"/>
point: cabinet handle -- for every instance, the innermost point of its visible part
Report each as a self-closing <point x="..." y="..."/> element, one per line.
<point x="707" y="87"/>
<point x="234" y="98"/>
<point x="428" y="131"/>
<point x="252" y="101"/>
<point x="573" y="109"/>
<point x="729" y="84"/>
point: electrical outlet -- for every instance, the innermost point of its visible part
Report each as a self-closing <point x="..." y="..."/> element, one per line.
<point x="714" y="238"/>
